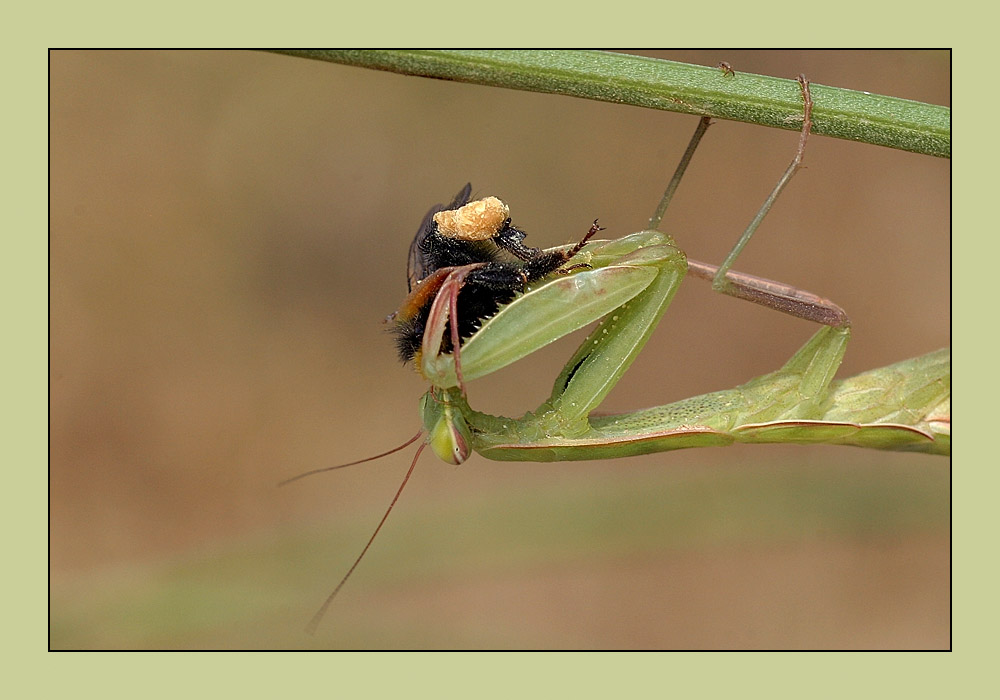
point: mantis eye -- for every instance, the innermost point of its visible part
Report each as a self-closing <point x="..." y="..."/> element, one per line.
<point x="449" y="438"/>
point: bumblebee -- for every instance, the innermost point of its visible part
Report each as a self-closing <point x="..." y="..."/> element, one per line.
<point x="477" y="242"/>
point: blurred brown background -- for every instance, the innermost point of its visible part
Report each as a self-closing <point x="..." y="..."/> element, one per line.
<point x="228" y="231"/>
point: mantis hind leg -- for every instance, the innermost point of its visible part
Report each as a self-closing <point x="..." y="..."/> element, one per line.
<point x="720" y="282"/>
<point x="774" y="295"/>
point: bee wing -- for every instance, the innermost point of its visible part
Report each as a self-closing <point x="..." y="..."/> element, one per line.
<point x="416" y="268"/>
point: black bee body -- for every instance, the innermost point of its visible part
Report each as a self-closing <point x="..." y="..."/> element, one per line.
<point x="460" y="235"/>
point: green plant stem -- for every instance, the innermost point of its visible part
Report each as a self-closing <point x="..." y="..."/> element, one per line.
<point x="677" y="87"/>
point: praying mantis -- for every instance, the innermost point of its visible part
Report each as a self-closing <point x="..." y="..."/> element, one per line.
<point x="626" y="285"/>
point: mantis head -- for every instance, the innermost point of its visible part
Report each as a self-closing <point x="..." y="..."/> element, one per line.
<point x="447" y="431"/>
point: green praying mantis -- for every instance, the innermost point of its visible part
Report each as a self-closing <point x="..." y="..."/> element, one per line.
<point x="625" y="286"/>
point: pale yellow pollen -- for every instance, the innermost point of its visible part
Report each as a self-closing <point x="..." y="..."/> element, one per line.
<point x="476" y="221"/>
